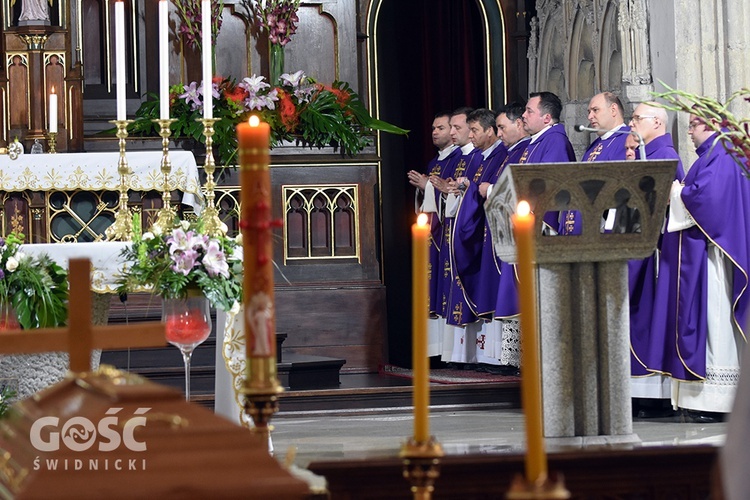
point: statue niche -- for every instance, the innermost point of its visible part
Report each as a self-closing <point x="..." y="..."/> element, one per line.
<point x="34" y="13"/>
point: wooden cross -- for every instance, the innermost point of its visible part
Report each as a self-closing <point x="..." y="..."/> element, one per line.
<point x="81" y="337"/>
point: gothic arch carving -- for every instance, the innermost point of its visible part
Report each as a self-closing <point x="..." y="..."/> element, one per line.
<point x="610" y="56"/>
<point x="581" y="56"/>
<point x="551" y="62"/>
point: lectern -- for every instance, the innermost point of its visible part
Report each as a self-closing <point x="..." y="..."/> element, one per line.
<point x="583" y="281"/>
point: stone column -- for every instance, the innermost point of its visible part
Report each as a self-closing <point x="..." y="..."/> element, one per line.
<point x="556" y="351"/>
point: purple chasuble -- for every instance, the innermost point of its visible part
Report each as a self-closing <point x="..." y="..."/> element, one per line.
<point x="453" y="305"/>
<point x="552" y="146"/>
<point x="439" y="168"/>
<point x="507" y="290"/>
<point x="610" y="149"/>
<point x="717" y="196"/>
<point x="474" y="257"/>
<point x="647" y="343"/>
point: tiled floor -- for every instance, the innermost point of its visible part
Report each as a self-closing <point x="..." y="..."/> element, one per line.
<point x="500" y="431"/>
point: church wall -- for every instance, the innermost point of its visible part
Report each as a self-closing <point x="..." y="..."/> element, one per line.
<point x="629" y="46"/>
<point x="700" y="47"/>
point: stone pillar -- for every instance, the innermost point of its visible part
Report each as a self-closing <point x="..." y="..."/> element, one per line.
<point x="556" y="351"/>
<point x="585" y="359"/>
<point x="614" y="348"/>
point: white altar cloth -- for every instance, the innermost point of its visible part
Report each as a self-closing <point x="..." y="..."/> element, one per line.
<point x="230" y="368"/>
<point x="104" y="255"/>
<point x="98" y="172"/>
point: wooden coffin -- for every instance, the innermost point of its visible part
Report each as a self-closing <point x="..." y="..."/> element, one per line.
<point x="109" y="434"/>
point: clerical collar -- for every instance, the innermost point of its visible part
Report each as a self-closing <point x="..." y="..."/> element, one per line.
<point x="611" y="132"/>
<point x="489" y="150"/>
<point x="467" y="148"/>
<point x="443" y="153"/>
<point x="539" y="134"/>
<point x="519" y="141"/>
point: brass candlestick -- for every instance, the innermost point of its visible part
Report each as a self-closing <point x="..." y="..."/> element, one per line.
<point x="52" y="141"/>
<point x="212" y="225"/>
<point x="122" y="228"/>
<point x="166" y="216"/>
<point x="547" y="488"/>
<point x="260" y="405"/>
<point x="422" y="466"/>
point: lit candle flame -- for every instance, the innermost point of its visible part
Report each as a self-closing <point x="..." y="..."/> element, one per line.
<point x="523" y="208"/>
<point x="422" y="220"/>
<point x="254" y="121"/>
<point x="52" y="90"/>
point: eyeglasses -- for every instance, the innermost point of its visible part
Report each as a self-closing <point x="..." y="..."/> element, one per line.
<point x="694" y="124"/>
<point x="637" y="118"/>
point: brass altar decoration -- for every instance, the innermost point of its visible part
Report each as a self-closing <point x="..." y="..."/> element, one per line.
<point x="15" y="149"/>
<point x="212" y="225"/>
<point x="166" y="217"/>
<point x="122" y="228"/>
<point x="422" y="466"/>
<point x="52" y="141"/>
<point x="547" y="488"/>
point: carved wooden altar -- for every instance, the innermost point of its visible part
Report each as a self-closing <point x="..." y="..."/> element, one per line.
<point x="37" y="60"/>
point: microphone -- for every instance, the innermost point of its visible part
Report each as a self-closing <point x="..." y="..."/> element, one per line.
<point x="641" y="142"/>
<point x="582" y="128"/>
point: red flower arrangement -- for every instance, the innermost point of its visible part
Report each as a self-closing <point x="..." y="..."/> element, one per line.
<point x="298" y="110"/>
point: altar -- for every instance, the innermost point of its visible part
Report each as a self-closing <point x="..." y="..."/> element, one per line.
<point x="73" y="196"/>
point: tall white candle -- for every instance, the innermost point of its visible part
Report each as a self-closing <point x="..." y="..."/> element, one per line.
<point x="52" y="111"/>
<point x="163" y="60"/>
<point x="208" y="102"/>
<point x="120" y="57"/>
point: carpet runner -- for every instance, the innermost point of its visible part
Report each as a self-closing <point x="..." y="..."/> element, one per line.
<point x="450" y="376"/>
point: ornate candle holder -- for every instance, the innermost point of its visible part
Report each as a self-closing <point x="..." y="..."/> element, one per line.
<point x="260" y="405"/>
<point x="548" y="488"/>
<point x="165" y="218"/>
<point x="212" y="225"/>
<point x="422" y="466"/>
<point x="52" y="142"/>
<point x="122" y="228"/>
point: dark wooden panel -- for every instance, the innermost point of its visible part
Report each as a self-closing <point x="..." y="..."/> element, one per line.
<point x="677" y="472"/>
<point x="346" y="322"/>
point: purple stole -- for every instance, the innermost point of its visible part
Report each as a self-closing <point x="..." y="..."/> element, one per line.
<point x="506" y="304"/>
<point x="453" y="306"/>
<point x="474" y="257"/>
<point x="439" y="168"/>
<point x="717" y="196"/>
<point x="610" y="149"/>
<point x="552" y="146"/>
<point x="646" y="341"/>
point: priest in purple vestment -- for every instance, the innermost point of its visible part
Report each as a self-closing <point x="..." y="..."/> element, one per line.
<point x="606" y="114"/>
<point x="475" y="260"/>
<point x="702" y="299"/>
<point x="549" y="143"/>
<point x="500" y="338"/>
<point x="647" y="344"/>
<point x="430" y="199"/>
<point x="461" y="324"/>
